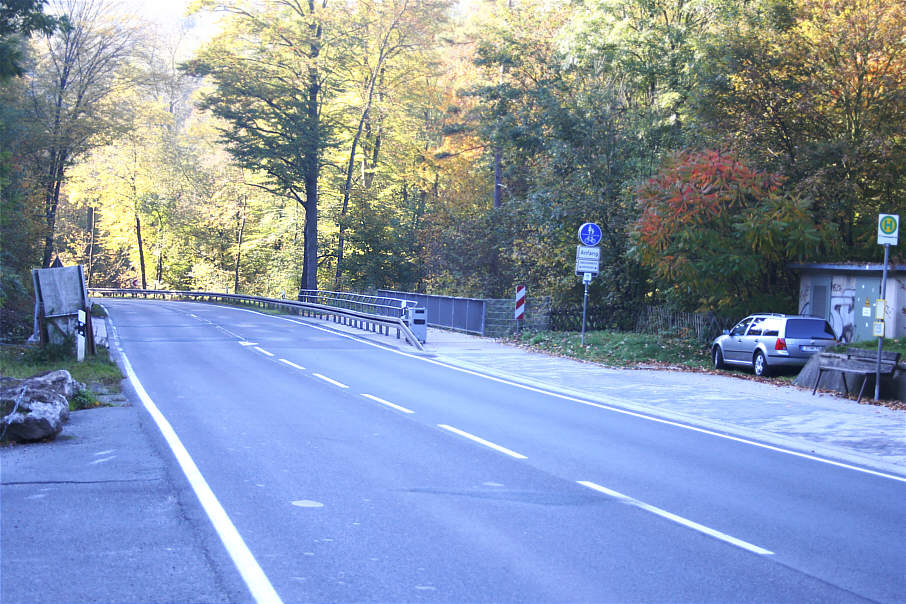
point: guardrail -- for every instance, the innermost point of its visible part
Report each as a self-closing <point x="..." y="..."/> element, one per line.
<point x="461" y="314"/>
<point x="371" y="315"/>
<point x="378" y="305"/>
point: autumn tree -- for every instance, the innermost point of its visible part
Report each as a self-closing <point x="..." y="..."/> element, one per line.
<point x="717" y="234"/>
<point x="269" y="90"/>
<point x="69" y="92"/>
<point x="816" y="90"/>
<point x="390" y="50"/>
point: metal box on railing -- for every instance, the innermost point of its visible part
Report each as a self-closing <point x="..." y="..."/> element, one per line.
<point x="417" y="318"/>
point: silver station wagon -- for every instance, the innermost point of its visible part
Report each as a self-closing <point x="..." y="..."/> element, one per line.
<point x="768" y="341"/>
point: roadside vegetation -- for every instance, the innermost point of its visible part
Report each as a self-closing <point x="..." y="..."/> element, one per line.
<point x="621" y="349"/>
<point x="890" y="345"/>
<point x="99" y="373"/>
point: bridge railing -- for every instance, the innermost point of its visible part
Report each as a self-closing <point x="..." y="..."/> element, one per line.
<point x="379" y="305"/>
<point x="376" y="314"/>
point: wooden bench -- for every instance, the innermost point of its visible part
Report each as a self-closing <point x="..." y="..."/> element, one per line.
<point x="858" y="361"/>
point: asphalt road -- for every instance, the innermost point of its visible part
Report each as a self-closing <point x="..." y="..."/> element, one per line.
<point x="352" y="473"/>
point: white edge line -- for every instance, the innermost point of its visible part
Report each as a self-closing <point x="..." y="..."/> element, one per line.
<point x="263" y="351"/>
<point x="574" y="399"/>
<point x="253" y="575"/>
<point x="482" y="441"/>
<point x="678" y="519"/>
<point x="327" y="379"/>
<point x="388" y="403"/>
<point x="291" y="364"/>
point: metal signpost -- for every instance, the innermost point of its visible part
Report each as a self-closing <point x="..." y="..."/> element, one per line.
<point x="588" y="261"/>
<point x="888" y="232"/>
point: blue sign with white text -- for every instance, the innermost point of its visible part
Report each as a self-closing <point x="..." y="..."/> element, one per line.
<point x="590" y="234"/>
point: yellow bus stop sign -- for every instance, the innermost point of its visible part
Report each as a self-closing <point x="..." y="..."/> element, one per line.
<point x="888" y="229"/>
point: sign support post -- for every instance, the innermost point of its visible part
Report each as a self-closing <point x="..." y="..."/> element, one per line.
<point x="586" y="279"/>
<point x="888" y="231"/>
<point x="588" y="261"/>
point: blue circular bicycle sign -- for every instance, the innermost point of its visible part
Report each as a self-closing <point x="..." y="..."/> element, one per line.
<point x="590" y="234"/>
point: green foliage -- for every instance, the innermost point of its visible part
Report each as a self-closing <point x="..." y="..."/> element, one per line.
<point x="84" y="399"/>
<point x="362" y="137"/>
<point x="18" y="20"/>
<point x="52" y="352"/>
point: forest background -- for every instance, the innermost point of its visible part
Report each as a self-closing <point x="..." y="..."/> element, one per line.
<point x="450" y="148"/>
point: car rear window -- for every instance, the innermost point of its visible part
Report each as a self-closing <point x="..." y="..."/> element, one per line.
<point x="809" y="328"/>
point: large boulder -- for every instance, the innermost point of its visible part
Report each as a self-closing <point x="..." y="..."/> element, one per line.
<point x="37" y="407"/>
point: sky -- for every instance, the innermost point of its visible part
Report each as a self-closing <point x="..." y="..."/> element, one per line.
<point x="162" y="11"/>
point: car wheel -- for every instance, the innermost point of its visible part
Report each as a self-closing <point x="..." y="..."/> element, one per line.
<point x="760" y="365"/>
<point x="718" y="358"/>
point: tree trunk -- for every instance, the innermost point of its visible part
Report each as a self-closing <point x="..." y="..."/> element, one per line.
<point x="141" y="250"/>
<point x="90" y="245"/>
<point x="240" y="215"/>
<point x="311" y="160"/>
<point x="160" y="252"/>
<point x="51" y="203"/>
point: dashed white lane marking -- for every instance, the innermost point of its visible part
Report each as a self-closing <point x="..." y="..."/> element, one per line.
<point x="291" y="364"/>
<point x="482" y="441"/>
<point x="263" y="351"/>
<point x="388" y="403"/>
<point x="259" y="585"/>
<point x="678" y="519"/>
<point x="330" y="381"/>
<point x="101" y="460"/>
<point x="589" y="403"/>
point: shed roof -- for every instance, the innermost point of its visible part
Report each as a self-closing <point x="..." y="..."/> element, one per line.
<point x="846" y="268"/>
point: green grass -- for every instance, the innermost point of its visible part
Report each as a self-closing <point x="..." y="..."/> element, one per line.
<point x="890" y="345"/>
<point x="25" y="361"/>
<point x="621" y="349"/>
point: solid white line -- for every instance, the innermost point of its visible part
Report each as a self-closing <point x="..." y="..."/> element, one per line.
<point x="252" y="573"/>
<point x="482" y="441"/>
<point x="291" y="364"/>
<point x="678" y="519"/>
<point x="574" y="399"/>
<point x="259" y="349"/>
<point x="388" y="403"/>
<point x="327" y="379"/>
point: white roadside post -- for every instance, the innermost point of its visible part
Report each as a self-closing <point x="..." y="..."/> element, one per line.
<point x="80" y="335"/>
<point x="888" y="232"/>
<point x="588" y="261"/>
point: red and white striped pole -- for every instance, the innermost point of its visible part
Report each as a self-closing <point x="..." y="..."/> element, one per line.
<point x="520" y="306"/>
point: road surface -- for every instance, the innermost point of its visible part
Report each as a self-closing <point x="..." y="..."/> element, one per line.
<point x="339" y="470"/>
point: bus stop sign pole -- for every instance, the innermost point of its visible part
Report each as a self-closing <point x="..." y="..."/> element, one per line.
<point x="888" y="232"/>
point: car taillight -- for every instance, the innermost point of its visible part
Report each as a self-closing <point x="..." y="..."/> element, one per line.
<point x="780" y="344"/>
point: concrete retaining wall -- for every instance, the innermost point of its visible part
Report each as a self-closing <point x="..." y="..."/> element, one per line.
<point x="891" y="388"/>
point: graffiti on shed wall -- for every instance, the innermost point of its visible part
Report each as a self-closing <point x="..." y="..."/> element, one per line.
<point x="842" y="316"/>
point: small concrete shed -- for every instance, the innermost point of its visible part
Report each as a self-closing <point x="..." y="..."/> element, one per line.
<point x="841" y="293"/>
